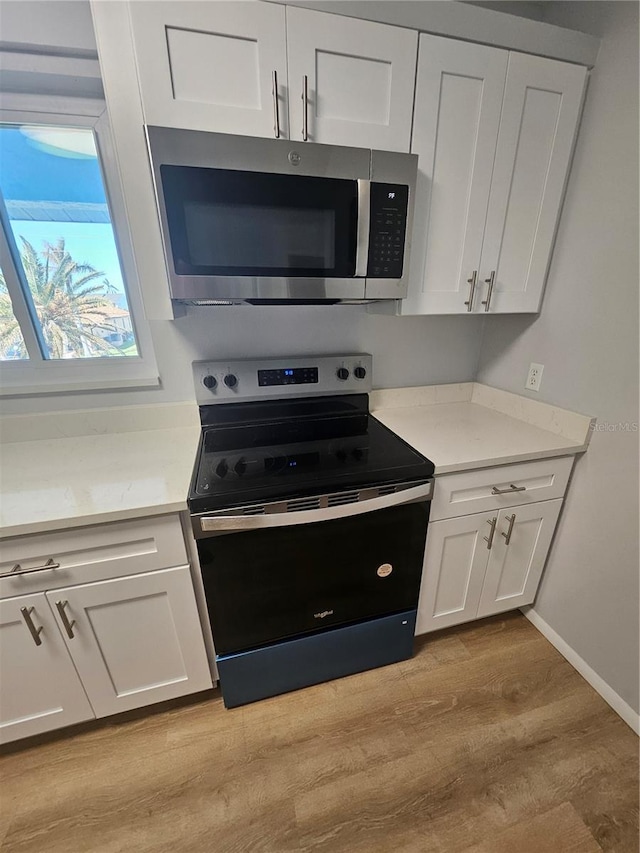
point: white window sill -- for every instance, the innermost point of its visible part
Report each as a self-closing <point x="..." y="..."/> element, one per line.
<point x="79" y="387"/>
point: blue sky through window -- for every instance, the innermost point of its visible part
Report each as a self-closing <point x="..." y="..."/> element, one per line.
<point x="53" y="190"/>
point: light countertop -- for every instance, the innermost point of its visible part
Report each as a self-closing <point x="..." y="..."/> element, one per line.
<point x="129" y="463"/>
<point x="466" y="426"/>
<point x="461" y="436"/>
<point x="49" y="484"/>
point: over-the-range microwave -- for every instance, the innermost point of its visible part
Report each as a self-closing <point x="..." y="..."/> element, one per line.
<point x="272" y="221"/>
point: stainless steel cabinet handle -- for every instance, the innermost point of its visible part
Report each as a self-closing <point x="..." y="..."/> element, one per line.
<point x="35" y="632"/>
<point x="472" y="281"/>
<point x="305" y="105"/>
<point x="17" y="570"/>
<point x="276" y="114"/>
<point x="489" y="539"/>
<point x="507" y="536"/>
<point x="490" y="281"/>
<point x="68" y="625"/>
<point x="496" y="491"/>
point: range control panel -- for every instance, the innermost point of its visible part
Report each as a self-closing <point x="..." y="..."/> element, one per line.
<point x="299" y="376"/>
<point x="387" y="229"/>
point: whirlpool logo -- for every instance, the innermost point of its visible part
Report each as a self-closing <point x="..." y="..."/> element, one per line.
<point x="323" y="615"/>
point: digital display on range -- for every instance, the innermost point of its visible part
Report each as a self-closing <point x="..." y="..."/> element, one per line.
<point x="288" y="376"/>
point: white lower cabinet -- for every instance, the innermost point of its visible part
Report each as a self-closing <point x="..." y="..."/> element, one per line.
<point x="40" y="689"/>
<point x="95" y="621"/>
<point x="134" y="640"/>
<point x="484" y="563"/>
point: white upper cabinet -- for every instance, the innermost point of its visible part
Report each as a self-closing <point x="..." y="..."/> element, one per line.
<point x="457" y="113"/>
<point x="211" y="66"/>
<point x="494" y="132"/>
<point x="540" y="115"/>
<point x="223" y="67"/>
<point x="353" y="78"/>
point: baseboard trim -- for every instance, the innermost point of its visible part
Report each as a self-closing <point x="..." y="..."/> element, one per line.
<point x="622" y="708"/>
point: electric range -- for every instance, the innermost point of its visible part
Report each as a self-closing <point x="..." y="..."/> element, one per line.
<point x="310" y="518"/>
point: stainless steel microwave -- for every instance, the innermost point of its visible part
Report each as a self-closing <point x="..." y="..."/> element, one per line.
<point x="273" y="221"/>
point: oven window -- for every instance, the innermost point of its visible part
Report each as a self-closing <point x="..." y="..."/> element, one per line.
<point x="225" y="222"/>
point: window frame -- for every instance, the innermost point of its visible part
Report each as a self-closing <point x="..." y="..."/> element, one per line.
<point x="36" y="375"/>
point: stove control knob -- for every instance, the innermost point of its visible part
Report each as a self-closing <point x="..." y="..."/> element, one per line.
<point x="230" y="380"/>
<point x="240" y="467"/>
<point x="222" y="469"/>
<point x="342" y="373"/>
<point x="210" y="382"/>
<point x="360" y="372"/>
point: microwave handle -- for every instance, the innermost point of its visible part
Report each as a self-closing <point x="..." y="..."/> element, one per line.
<point x="364" y="216"/>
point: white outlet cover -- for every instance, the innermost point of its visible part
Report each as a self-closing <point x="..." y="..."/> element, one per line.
<point x="534" y="377"/>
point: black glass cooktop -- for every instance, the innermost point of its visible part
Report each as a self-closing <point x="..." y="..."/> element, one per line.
<point x="257" y="452"/>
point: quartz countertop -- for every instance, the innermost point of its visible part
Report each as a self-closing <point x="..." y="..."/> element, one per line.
<point x="467" y="426"/>
<point x="73" y="480"/>
<point x="109" y="465"/>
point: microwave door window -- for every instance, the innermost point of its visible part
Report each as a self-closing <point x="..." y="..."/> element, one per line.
<point x="232" y="223"/>
<point x="270" y="237"/>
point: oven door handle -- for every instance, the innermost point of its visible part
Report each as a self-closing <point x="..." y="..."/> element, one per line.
<point x="219" y="524"/>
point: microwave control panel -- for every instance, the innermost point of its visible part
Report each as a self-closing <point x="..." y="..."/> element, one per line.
<point x="387" y="230"/>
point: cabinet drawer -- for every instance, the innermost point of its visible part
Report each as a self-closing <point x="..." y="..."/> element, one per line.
<point x="523" y="483"/>
<point x="86" y="554"/>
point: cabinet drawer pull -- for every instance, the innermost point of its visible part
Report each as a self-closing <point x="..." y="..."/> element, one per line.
<point x="276" y="114"/>
<point x="496" y="491"/>
<point x="17" y="570"/>
<point x="472" y="281"/>
<point x="35" y="632"/>
<point x="489" y="539"/>
<point x="305" y="107"/>
<point x="68" y="624"/>
<point x="507" y="536"/>
<point x="490" y="281"/>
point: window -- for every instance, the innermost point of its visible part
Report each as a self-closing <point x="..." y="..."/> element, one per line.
<point x="70" y="318"/>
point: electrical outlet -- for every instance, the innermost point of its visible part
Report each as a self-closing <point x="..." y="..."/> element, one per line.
<point x="534" y="377"/>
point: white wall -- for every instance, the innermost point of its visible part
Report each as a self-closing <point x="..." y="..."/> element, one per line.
<point x="42" y="25"/>
<point x="587" y="339"/>
<point x="406" y="350"/>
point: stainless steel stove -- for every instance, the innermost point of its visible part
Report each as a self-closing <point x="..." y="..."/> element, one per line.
<point x="310" y="518"/>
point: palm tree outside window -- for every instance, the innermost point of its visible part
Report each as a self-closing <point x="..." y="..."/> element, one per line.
<point x="62" y="292"/>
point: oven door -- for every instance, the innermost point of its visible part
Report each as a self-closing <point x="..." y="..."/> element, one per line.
<point x="272" y="583"/>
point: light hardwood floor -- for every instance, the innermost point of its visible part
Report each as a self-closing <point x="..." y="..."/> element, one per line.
<point x="487" y="741"/>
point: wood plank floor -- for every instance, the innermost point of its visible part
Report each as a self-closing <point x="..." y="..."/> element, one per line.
<point x="487" y="741"/>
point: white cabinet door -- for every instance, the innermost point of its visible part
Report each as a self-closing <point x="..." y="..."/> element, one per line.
<point x="360" y="80"/>
<point x="40" y="689"/>
<point x="209" y="66"/>
<point x="135" y="640"/>
<point x="540" y="114"/>
<point x="520" y="548"/>
<point x="455" y="562"/>
<point x="457" y="113"/>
